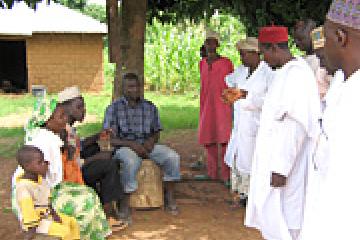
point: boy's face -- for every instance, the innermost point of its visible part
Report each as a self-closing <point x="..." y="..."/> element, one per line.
<point x="37" y="165"/>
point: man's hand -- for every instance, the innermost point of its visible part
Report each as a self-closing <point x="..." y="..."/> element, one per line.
<point x="105" y="134"/>
<point x="230" y="95"/>
<point x="151" y="141"/>
<point x="149" y="146"/>
<point x="277" y="180"/>
<point x="139" y="149"/>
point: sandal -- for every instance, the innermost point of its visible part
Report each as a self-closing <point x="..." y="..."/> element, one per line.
<point x="172" y="209"/>
<point x="202" y="177"/>
<point x="227" y="184"/>
<point x="197" y="166"/>
<point x="235" y="206"/>
<point x="117" y="225"/>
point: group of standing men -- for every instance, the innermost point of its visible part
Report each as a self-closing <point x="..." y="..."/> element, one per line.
<point x="295" y="137"/>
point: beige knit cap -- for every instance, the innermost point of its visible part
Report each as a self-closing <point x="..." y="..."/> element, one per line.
<point x="212" y="34"/>
<point x="250" y="44"/>
<point x="68" y="94"/>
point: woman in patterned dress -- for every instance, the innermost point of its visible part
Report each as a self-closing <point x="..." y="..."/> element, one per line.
<point x="72" y="199"/>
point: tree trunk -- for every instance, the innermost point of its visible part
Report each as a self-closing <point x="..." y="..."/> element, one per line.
<point x="112" y="15"/>
<point x="126" y="41"/>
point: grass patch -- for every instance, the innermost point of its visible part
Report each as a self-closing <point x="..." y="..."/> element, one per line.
<point x="88" y="129"/>
<point x="10" y="141"/>
<point x="176" y="112"/>
<point x="12" y="104"/>
<point x="11" y="133"/>
<point x="6" y="210"/>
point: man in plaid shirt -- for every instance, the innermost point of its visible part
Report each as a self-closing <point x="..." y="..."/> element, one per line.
<point x="136" y="126"/>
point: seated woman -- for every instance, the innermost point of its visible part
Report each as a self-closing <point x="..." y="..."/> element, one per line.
<point x="71" y="199"/>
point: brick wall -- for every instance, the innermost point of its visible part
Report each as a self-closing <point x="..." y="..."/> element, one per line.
<point x="62" y="60"/>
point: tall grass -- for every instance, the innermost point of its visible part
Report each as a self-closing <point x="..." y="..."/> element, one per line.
<point x="172" y="52"/>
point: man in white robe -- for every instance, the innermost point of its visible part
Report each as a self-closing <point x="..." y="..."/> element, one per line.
<point x="288" y="126"/>
<point x="334" y="168"/>
<point x="247" y="111"/>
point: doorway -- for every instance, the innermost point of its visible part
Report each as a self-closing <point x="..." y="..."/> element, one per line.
<point x="13" y="71"/>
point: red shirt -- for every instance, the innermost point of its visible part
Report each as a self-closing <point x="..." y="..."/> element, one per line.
<point x="215" y="116"/>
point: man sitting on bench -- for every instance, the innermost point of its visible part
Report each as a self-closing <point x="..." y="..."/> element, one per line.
<point x="136" y="127"/>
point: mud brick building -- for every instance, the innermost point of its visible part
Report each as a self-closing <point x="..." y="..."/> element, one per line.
<point x="53" y="46"/>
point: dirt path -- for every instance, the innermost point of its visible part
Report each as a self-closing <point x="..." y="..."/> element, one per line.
<point x="204" y="215"/>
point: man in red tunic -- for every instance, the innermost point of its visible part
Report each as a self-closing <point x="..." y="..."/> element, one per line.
<point x="215" y="115"/>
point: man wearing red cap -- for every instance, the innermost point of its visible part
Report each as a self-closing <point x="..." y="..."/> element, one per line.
<point x="334" y="169"/>
<point x="288" y="126"/>
<point x="215" y="115"/>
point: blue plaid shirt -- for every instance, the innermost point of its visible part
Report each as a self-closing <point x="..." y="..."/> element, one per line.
<point x="132" y="123"/>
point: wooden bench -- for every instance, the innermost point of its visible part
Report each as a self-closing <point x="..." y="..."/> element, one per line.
<point x="44" y="237"/>
<point x="150" y="192"/>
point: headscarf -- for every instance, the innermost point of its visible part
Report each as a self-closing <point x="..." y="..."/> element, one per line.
<point x="42" y="111"/>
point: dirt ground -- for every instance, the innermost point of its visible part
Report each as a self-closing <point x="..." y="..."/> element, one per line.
<point x="204" y="213"/>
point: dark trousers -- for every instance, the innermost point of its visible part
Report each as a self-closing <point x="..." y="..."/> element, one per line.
<point x="103" y="176"/>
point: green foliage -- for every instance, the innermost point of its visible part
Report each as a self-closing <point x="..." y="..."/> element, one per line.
<point x="95" y="11"/>
<point x="73" y="4"/>
<point x="253" y="14"/>
<point x="178" y="45"/>
<point x="109" y="70"/>
<point x="172" y="51"/>
<point x="172" y="56"/>
<point x="10" y="3"/>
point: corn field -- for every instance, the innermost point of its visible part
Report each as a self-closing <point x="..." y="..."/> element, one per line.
<point x="172" y="52"/>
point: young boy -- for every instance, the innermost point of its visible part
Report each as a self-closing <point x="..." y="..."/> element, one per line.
<point x="32" y="198"/>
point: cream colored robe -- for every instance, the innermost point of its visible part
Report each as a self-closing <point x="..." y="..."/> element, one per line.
<point x="333" y="196"/>
<point x="246" y="122"/>
<point x="288" y="127"/>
